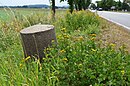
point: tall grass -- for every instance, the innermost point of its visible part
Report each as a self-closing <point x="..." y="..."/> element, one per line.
<point x="77" y="60"/>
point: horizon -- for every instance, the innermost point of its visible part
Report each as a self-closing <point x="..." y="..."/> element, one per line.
<point x="34" y="2"/>
<point x="29" y="2"/>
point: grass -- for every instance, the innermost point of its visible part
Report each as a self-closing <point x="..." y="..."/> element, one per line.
<point x="78" y="59"/>
<point x="112" y="33"/>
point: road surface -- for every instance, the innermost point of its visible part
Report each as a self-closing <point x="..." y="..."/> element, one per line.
<point x="122" y="19"/>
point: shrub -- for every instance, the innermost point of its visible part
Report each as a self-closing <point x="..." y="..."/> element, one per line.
<point x="76" y="60"/>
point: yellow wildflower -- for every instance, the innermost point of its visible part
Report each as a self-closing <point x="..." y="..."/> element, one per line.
<point x="59" y="36"/>
<point x="65" y="59"/>
<point x="66" y="36"/>
<point x="81" y="38"/>
<point x="44" y="58"/>
<point x="93" y="50"/>
<point x="113" y="45"/>
<point x="80" y="65"/>
<point x="93" y="35"/>
<point x="62" y="51"/>
<point x="27" y="58"/>
<point x="123" y="72"/>
<point x="63" y="29"/>
<point x="47" y="55"/>
<point x="52" y="41"/>
<point x="40" y="68"/>
<point x="92" y="39"/>
<point x="48" y="49"/>
<point x="20" y="65"/>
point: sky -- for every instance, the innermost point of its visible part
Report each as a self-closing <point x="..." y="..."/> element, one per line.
<point x="30" y="2"/>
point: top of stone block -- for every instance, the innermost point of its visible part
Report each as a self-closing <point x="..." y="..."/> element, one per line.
<point x="36" y="29"/>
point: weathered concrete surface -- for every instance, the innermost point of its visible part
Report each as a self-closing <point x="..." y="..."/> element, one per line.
<point x="36" y="38"/>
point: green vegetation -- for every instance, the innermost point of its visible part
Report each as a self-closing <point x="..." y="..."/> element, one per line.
<point x="78" y="4"/>
<point x="7" y="14"/>
<point x="113" y="5"/>
<point x="78" y="59"/>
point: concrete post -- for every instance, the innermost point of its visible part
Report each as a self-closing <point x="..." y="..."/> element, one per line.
<point x="36" y="38"/>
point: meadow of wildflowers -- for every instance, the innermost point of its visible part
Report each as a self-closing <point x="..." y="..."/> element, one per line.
<point x="77" y="59"/>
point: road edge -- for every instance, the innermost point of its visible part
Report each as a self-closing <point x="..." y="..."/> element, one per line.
<point x="128" y="28"/>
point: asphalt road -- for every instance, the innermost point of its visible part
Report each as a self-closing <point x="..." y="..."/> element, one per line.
<point x="122" y="19"/>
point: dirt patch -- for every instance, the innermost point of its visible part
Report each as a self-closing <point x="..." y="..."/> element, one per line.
<point x="114" y="34"/>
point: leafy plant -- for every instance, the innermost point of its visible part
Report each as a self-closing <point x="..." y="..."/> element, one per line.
<point x="77" y="60"/>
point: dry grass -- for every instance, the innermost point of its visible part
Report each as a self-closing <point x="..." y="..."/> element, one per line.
<point x="115" y="34"/>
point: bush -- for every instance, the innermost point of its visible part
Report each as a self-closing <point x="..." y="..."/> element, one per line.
<point x="77" y="59"/>
<point x="79" y="20"/>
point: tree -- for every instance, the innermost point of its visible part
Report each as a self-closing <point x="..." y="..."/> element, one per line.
<point x="76" y="4"/>
<point x="83" y="4"/>
<point x="99" y="4"/>
<point x="79" y="4"/>
<point x="88" y="2"/>
<point x="109" y="4"/>
<point x="126" y="1"/>
<point x="71" y="4"/>
<point x="125" y="6"/>
<point x="104" y="4"/>
<point x="53" y="7"/>
<point x="93" y="6"/>
<point x="119" y="5"/>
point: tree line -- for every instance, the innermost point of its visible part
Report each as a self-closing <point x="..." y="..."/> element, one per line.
<point x="78" y="4"/>
<point x="73" y="4"/>
<point x="104" y="4"/>
<point x="118" y="5"/>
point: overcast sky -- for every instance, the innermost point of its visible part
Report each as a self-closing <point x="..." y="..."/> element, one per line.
<point x="28" y="2"/>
